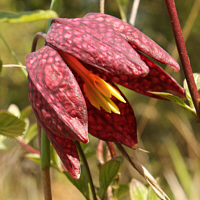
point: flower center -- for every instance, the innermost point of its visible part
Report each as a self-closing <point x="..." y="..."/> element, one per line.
<point x="98" y="91"/>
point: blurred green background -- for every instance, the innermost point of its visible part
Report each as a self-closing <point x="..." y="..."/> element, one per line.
<point x="169" y="132"/>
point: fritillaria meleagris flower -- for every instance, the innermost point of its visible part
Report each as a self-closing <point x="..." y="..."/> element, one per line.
<point x="72" y="81"/>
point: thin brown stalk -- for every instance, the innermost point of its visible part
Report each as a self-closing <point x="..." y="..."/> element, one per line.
<point x="111" y="149"/>
<point x="188" y="25"/>
<point x="46" y="184"/>
<point x="27" y="146"/>
<point x="35" y="39"/>
<point x="100" y="152"/>
<point x="186" y="31"/>
<point x="176" y="27"/>
<point x="144" y="172"/>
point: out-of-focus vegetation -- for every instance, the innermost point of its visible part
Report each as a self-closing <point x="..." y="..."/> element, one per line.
<point x="167" y="131"/>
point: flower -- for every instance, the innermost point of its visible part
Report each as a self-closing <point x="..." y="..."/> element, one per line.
<point x="72" y="81"/>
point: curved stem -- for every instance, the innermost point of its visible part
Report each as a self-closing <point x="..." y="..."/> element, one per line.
<point x="35" y="39"/>
<point x="183" y="54"/>
<point x="78" y="146"/>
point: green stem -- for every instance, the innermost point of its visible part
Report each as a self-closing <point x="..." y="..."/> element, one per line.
<point x="45" y="143"/>
<point x="45" y="165"/>
<point x="45" y="151"/>
<point x="78" y="146"/>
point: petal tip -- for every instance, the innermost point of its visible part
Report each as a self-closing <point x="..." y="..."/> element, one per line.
<point x="76" y="176"/>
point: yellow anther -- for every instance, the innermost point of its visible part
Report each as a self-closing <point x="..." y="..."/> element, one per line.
<point x="98" y="91"/>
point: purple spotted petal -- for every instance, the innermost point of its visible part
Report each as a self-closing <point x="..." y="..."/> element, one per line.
<point x="66" y="150"/>
<point x="156" y="81"/>
<point x="96" y="44"/>
<point x="55" y="95"/>
<point x="113" y="127"/>
<point x="137" y="39"/>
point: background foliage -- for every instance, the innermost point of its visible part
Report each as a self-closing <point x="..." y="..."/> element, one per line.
<point x="168" y="132"/>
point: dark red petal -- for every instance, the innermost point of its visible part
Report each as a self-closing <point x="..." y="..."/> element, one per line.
<point x="110" y="126"/>
<point x="66" y="150"/>
<point x="136" y="38"/>
<point x="113" y="127"/>
<point x="156" y="81"/>
<point x="56" y="96"/>
<point x="97" y="44"/>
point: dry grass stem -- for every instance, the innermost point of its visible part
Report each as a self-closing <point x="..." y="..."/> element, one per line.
<point x="134" y="12"/>
<point x="144" y="172"/>
<point x="14" y="65"/>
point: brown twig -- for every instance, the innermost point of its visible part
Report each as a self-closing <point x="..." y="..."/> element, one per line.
<point x="35" y="40"/>
<point x="144" y="172"/>
<point x="176" y="27"/>
<point x="46" y="184"/>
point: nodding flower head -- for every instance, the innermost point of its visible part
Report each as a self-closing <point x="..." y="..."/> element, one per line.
<point x="73" y="81"/>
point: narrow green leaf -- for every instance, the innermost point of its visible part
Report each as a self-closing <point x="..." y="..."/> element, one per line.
<point x="122" y="4"/>
<point x="107" y="174"/>
<point x="36" y="158"/>
<point x="175" y="99"/>
<point x="26" y="16"/>
<point x="187" y="92"/>
<point x="32" y="132"/>
<point x="138" y="190"/>
<point x="82" y="184"/>
<point x="10" y="125"/>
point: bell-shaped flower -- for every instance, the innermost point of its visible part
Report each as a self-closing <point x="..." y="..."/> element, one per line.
<point x="72" y="81"/>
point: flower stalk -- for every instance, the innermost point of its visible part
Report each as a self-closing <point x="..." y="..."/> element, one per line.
<point x="45" y="143"/>
<point x="78" y="146"/>
<point x="176" y="27"/>
<point x="45" y="165"/>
